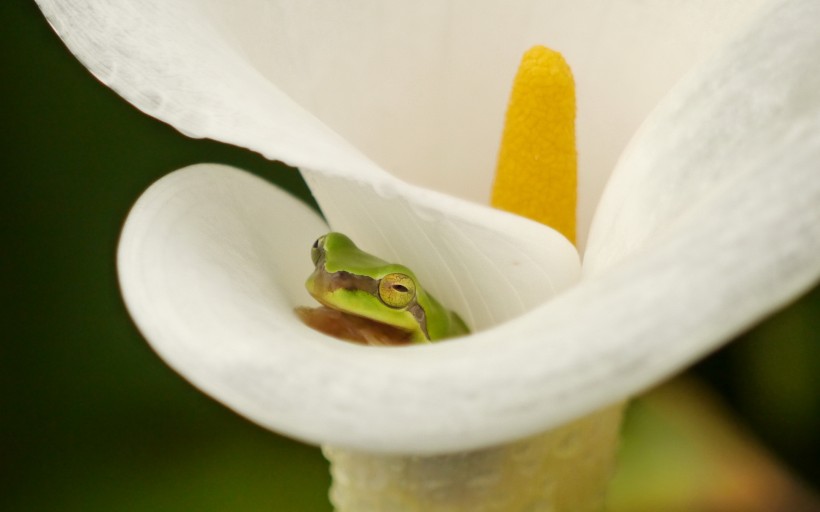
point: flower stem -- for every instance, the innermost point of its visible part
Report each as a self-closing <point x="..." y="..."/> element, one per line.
<point x="566" y="469"/>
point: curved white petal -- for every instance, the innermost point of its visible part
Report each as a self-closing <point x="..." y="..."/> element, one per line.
<point x="212" y="262"/>
<point x="420" y="87"/>
<point x="746" y="246"/>
<point x="752" y="110"/>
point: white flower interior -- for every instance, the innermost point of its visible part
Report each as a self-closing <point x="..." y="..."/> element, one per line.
<point x="420" y="88"/>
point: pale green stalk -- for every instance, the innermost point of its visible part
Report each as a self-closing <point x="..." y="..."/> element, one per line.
<point x="562" y="470"/>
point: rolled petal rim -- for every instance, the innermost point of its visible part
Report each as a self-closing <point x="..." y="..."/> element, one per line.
<point x="212" y="262"/>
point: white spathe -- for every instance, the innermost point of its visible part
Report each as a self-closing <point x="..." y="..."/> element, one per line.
<point x="711" y="220"/>
<point x="419" y="88"/>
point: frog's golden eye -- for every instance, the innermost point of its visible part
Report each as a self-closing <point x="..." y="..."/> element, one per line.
<point x="397" y="290"/>
<point x="317" y="249"/>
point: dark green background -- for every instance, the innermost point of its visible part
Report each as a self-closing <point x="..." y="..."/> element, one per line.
<point x="91" y="420"/>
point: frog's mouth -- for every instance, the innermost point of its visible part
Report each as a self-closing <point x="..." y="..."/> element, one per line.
<point x="349" y="327"/>
<point x="342" y="324"/>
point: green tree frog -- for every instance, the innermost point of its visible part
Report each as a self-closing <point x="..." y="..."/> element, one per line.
<point x="372" y="301"/>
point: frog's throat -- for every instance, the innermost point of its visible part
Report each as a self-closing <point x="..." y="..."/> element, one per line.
<point x="332" y="281"/>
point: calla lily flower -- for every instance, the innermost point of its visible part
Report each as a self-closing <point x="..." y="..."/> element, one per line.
<point x="709" y="221"/>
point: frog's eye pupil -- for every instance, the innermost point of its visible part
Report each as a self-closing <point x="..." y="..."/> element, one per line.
<point x="397" y="290"/>
<point x="316" y="250"/>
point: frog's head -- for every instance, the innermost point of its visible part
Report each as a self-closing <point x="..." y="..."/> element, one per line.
<point x="355" y="282"/>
